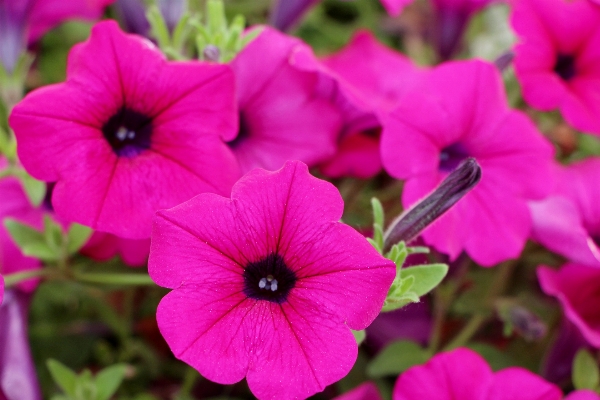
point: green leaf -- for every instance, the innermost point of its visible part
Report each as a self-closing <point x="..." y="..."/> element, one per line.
<point x="396" y="358"/>
<point x="359" y="336"/>
<point x="42" y="251"/>
<point x="426" y="277"/>
<point x="108" y="381"/>
<point x="22" y="234"/>
<point x="63" y="376"/>
<point x="36" y="190"/>
<point x="378" y="215"/>
<point x="77" y="236"/>
<point x="53" y="233"/>
<point x="586" y="374"/>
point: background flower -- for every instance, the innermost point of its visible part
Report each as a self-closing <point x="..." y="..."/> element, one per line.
<point x="459" y="110"/>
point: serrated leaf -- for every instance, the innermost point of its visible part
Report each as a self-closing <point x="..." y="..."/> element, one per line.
<point x="108" y="381"/>
<point x="396" y="358"/>
<point x="77" y="236"/>
<point x="64" y="377"/>
<point x="427" y="277"/>
<point x="359" y="336"/>
<point x="586" y="374"/>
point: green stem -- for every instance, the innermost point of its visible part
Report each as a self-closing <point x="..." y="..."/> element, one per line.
<point x="18" y="277"/>
<point x="133" y="279"/>
<point x="467" y="332"/>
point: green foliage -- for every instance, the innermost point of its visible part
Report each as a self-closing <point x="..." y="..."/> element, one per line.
<point x="586" y="374"/>
<point x="360" y="336"/>
<point x="397" y="357"/>
<point x="85" y="386"/>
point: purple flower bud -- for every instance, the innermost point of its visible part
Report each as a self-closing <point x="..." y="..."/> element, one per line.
<point x="504" y="60"/>
<point x="456" y="185"/>
<point x="172" y="10"/>
<point x="285" y="13"/>
<point x="13" y="31"/>
<point x="18" y="380"/>
<point x="133" y="15"/>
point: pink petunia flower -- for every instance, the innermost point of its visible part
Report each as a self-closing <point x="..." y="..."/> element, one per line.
<point x="395" y="7"/>
<point x="556" y="60"/>
<point x="15" y="204"/>
<point x="374" y="79"/>
<point x="577" y="288"/>
<point x="463" y="374"/>
<point x="1" y="288"/>
<point x="366" y="391"/>
<point x="267" y="284"/>
<point x="281" y="114"/>
<point x="23" y="21"/>
<point x="104" y="246"/>
<point x="568" y="221"/>
<point x="460" y="110"/>
<point x="128" y="133"/>
<point x="583" y="395"/>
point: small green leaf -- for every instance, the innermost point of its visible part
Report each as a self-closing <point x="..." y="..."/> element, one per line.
<point x="396" y="358"/>
<point x="427" y="277"/>
<point x="77" y="236"/>
<point x="22" y="234"/>
<point x="378" y="215"/>
<point x="586" y="374"/>
<point x="374" y="244"/>
<point x="36" y="190"/>
<point x="359" y="336"/>
<point x="53" y="233"/>
<point x="63" y="376"/>
<point x="108" y="381"/>
<point x="41" y="250"/>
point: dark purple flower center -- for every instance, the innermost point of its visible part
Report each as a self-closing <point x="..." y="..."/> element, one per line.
<point x="565" y="66"/>
<point x="269" y="279"/>
<point x="243" y="132"/>
<point x="451" y="156"/>
<point x="128" y="132"/>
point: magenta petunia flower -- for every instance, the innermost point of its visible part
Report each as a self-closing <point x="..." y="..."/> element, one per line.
<point x="281" y="114"/>
<point x="568" y="221"/>
<point x="15" y="204"/>
<point x="267" y="284"/>
<point x="104" y="246"/>
<point x="458" y="111"/>
<point x="374" y="79"/>
<point x="463" y="374"/>
<point x="583" y="395"/>
<point x="128" y="133"/>
<point x="557" y="59"/>
<point x="577" y="288"/>
<point x="366" y="391"/>
<point x="395" y="7"/>
<point x="1" y="288"/>
<point x="23" y="21"/>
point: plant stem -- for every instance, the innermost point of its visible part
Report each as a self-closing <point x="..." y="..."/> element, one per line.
<point x="467" y="332"/>
<point x="128" y="279"/>
<point x="14" y="279"/>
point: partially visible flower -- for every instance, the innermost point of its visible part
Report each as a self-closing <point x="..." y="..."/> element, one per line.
<point x="365" y="391"/>
<point x="412" y="322"/>
<point x="583" y="395"/>
<point x="1" y="288"/>
<point x="104" y="246"/>
<point x="374" y="79"/>
<point x="285" y="13"/>
<point x="460" y="110"/>
<point x="568" y="221"/>
<point x="556" y="60"/>
<point x="133" y="15"/>
<point x="23" y="21"/>
<point x="282" y="116"/>
<point x="172" y="11"/>
<point x="463" y="374"/>
<point x="15" y="204"/>
<point x="557" y="363"/>
<point x="395" y="7"/>
<point x="128" y="133"/>
<point x="267" y="284"/>
<point x="577" y="288"/>
<point x="18" y="379"/>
